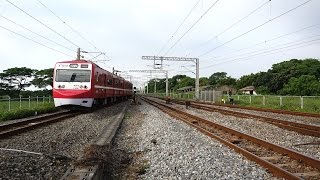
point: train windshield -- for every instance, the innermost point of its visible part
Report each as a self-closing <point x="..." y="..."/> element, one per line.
<point x="72" y="75"/>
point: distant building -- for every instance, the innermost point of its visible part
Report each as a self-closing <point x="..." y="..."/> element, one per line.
<point x="185" y="89"/>
<point x="249" y="90"/>
<point x="206" y="88"/>
<point x="225" y="89"/>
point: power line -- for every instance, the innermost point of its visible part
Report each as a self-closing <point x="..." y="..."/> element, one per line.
<point x="277" y="49"/>
<point x="64" y="22"/>
<point x="274" y="46"/>
<point x="37" y="33"/>
<point x="266" y="41"/>
<point x="255" y="28"/>
<point x="178" y="27"/>
<point x="41" y="23"/>
<point x="234" y="24"/>
<point x="192" y="26"/>
<point x="35" y="41"/>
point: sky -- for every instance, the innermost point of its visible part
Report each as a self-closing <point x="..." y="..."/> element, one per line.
<point x="234" y="36"/>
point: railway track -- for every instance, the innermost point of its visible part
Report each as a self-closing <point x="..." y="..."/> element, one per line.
<point x="18" y="127"/>
<point x="311" y="130"/>
<point x="281" y="161"/>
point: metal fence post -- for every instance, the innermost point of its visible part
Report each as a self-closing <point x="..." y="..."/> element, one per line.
<point x="264" y="100"/>
<point x="49" y="99"/>
<point x="238" y="98"/>
<point x="205" y="96"/>
<point x="280" y="100"/>
<point x="43" y="99"/>
<point x="301" y="101"/>
<point x="213" y="97"/>
<point x="188" y="95"/>
<point x="250" y="99"/>
<point x="20" y="101"/>
<point x="37" y="100"/>
<point x="9" y="104"/>
<point x="29" y="102"/>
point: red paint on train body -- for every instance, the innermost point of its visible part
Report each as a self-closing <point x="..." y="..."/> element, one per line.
<point x="84" y="83"/>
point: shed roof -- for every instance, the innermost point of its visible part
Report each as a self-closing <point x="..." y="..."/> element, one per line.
<point x="184" y="88"/>
<point x="248" y="88"/>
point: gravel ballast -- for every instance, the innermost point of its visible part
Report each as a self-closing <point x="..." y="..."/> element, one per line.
<point x="152" y="145"/>
<point x="60" y="143"/>
<point x="263" y="130"/>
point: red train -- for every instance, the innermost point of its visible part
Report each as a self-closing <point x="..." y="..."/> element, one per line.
<point x="84" y="83"/>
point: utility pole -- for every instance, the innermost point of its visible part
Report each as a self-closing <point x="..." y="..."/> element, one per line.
<point x="78" y="54"/>
<point x="155" y="86"/>
<point x="161" y="59"/>
<point x="156" y="71"/>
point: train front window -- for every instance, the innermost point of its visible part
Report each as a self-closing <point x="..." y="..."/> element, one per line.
<point x="72" y="75"/>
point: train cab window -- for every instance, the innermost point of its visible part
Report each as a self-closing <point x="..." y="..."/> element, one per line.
<point x="71" y="75"/>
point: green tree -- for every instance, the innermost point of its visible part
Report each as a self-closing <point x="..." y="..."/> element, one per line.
<point x="203" y="81"/>
<point x="187" y="81"/>
<point x="175" y="80"/>
<point x="221" y="78"/>
<point x="246" y="80"/>
<point x="215" y="78"/>
<point x="305" y="85"/>
<point x="16" y="78"/>
<point x="43" y="78"/>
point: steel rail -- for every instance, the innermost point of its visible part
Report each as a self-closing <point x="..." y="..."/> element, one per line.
<point x="276" y="169"/>
<point x="278" y="111"/>
<point x="264" y="109"/>
<point x="301" y="128"/>
<point x="11" y="129"/>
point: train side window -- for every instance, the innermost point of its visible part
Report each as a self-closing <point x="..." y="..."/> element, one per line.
<point x="109" y="81"/>
<point x="97" y="77"/>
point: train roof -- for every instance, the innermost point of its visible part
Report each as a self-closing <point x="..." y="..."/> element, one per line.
<point x="78" y="61"/>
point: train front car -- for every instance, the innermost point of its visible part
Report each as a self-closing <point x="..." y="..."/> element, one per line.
<point x="72" y="84"/>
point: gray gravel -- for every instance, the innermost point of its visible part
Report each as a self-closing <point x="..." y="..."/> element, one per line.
<point x="152" y="145"/>
<point x="69" y="136"/>
<point x="266" y="131"/>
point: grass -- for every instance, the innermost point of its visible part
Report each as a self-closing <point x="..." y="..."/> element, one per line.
<point x="24" y="109"/>
<point x="311" y="104"/>
<point x="291" y="103"/>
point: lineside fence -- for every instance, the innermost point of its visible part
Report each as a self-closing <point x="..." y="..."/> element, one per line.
<point x="11" y="104"/>
<point x="298" y="103"/>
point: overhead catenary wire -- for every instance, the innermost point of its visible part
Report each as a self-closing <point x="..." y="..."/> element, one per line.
<point x="233" y="25"/>
<point x="178" y="27"/>
<point x="191" y="27"/>
<point x="37" y="33"/>
<point x="42" y="23"/>
<point x="256" y="27"/>
<point x="263" y="42"/>
<point x="266" y="52"/>
<point x="70" y="27"/>
<point x="35" y="41"/>
<point x="313" y="36"/>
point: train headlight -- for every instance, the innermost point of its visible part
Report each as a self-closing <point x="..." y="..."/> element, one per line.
<point x="85" y="87"/>
<point x="63" y="86"/>
<point x="81" y="86"/>
<point x="59" y="86"/>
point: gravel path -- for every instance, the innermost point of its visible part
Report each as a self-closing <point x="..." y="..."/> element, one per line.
<point x="152" y="145"/>
<point x="67" y="138"/>
<point x="262" y="130"/>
